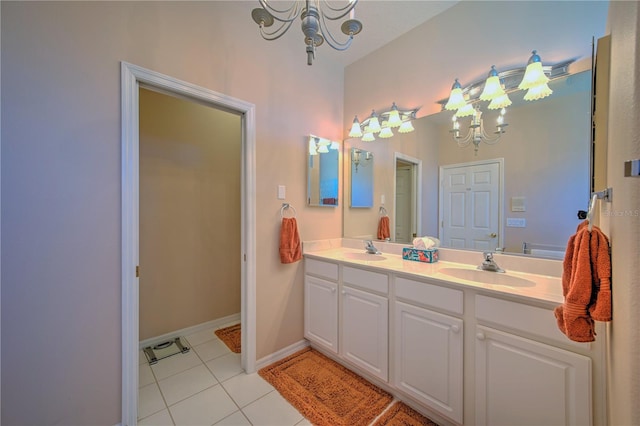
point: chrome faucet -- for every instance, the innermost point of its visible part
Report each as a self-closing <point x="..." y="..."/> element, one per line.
<point x="489" y="264"/>
<point x="371" y="249"/>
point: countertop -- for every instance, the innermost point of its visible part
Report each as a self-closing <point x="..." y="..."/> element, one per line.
<point x="541" y="288"/>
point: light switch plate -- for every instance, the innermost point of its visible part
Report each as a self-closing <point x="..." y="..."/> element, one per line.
<point x="516" y="222"/>
<point x="282" y="191"/>
<point x="518" y="204"/>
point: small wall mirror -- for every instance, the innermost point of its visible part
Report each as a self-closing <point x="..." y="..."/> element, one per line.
<point x="323" y="172"/>
<point x="361" y="178"/>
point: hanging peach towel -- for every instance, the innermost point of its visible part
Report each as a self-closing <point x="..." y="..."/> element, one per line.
<point x="290" y="247"/>
<point x="383" y="228"/>
<point x="586" y="284"/>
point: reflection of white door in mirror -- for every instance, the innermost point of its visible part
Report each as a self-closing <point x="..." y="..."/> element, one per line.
<point x="407" y="196"/>
<point x="470" y="204"/>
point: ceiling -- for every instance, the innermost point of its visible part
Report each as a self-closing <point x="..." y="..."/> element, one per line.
<point x="382" y="22"/>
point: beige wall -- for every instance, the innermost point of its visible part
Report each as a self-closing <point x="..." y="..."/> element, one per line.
<point x="190" y="162"/>
<point x="61" y="298"/>
<point x="623" y="221"/>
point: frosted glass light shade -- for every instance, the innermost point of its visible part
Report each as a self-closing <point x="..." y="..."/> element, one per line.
<point x="466" y="111"/>
<point x="355" y="132"/>
<point x="334" y="145"/>
<point x="368" y="137"/>
<point x="500" y="102"/>
<point x="456" y="98"/>
<point x="538" y="92"/>
<point x="385" y="133"/>
<point x="406" y="127"/>
<point x="492" y="87"/>
<point x="374" y="124"/>
<point x="394" y="117"/>
<point x="312" y="147"/>
<point x="323" y="149"/>
<point x="534" y="74"/>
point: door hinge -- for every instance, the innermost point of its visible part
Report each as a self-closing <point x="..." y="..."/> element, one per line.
<point x="137" y="271"/>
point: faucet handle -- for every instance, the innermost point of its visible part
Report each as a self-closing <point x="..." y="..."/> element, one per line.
<point x="488" y="256"/>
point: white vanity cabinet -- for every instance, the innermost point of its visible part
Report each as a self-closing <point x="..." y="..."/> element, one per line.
<point x="365" y="320"/>
<point x="321" y="304"/>
<point x="522" y="381"/>
<point x="428" y="346"/>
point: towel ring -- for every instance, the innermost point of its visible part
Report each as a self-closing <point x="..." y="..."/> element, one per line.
<point x="286" y="206"/>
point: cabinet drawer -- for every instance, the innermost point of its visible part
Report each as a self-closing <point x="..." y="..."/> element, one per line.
<point x="429" y="295"/>
<point x="321" y="269"/>
<point x="518" y="316"/>
<point x="367" y="280"/>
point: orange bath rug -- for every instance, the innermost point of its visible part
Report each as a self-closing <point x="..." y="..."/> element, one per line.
<point x="325" y="392"/>
<point x="401" y="414"/>
<point x="231" y="337"/>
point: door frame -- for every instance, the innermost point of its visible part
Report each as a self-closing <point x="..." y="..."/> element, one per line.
<point x="132" y="77"/>
<point x="500" y="162"/>
<point x="416" y="177"/>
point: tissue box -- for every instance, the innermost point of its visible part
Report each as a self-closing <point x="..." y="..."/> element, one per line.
<point x="427" y="256"/>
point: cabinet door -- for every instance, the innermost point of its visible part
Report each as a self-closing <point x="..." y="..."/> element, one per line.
<point x="364" y="331"/>
<point x="321" y="312"/>
<point x="524" y="382"/>
<point x="429" y="358"/>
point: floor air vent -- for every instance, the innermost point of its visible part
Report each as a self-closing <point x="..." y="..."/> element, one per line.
<point x="164" y="350"/>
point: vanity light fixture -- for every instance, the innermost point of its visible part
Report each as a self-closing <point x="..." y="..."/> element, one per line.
<point x="314" y="15"/>
<point x="496" y="88"/>
<point x="383" y="123"/>
<point x="360" y="158"/>
<point x="321" y="145"/>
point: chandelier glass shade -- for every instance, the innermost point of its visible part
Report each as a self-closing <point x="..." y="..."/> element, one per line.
<point x="495" y="89"/>
<point x="315" y="16"/>
<point x="382" y="124"/>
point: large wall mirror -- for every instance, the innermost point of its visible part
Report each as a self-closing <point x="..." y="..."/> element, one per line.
<point x="545" y="160"/>
<point x="323" y="172"/>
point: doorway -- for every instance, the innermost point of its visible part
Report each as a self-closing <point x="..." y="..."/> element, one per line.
<point x="133" y="77"/>
<point x="407" y="201"/>
<point x="471" y="200"/>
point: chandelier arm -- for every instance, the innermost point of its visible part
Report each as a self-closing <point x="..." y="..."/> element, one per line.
<point x="292" y="11"/>
<point x="342" y="11"/>
<point x="331" y="40"/>
<point x="277" y="33"/>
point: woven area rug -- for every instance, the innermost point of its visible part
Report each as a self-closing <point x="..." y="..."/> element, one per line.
<point x="401" y="414"/>
<point x="325" y="392"/>
<point x="231" y="337"/>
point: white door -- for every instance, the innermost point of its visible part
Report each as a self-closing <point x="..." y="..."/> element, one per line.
<point x="364" y="331"/>
<point x="524" y="382"/>
<point x="429" y="358"/>
<point x="470" y="204"/>
<point x="321" y="312"/>
<point x="403" y="216"/>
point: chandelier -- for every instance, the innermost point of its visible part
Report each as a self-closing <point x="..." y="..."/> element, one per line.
<point x="495" y="89"/>
<point x="383" y="123"/>
<point x="314" y="15"/>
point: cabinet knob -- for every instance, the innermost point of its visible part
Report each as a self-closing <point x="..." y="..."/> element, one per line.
<point x="480" y="336"/>
<point x="333" y="290"/>
<point x="455" y="329"/>
<point x="344" y="292"/>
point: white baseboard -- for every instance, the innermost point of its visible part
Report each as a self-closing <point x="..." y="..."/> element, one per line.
<point x="282" y="353"/>
<point x="216" y="323"/>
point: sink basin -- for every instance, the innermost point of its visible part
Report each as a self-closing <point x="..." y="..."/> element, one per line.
<point x="487" y="277"/>
<point x="364" y="256"/>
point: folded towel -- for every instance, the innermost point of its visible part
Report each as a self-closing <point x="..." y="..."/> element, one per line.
<point x="424" y="243"/>
<point x="383" y="228"/>
<point x="290" y="247"/>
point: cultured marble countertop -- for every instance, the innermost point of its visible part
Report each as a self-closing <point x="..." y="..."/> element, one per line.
<point x="541" y="288"/>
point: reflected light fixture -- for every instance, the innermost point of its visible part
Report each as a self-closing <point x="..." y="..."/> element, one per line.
<point x="360" y="158"/>
<point x="319" y="145"/>
<point x="315" y="15"/>
<point x="495" y="88"/>
<point x="391" y="118"/>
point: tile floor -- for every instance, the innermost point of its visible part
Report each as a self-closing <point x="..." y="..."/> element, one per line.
<point x="207" y="386"/>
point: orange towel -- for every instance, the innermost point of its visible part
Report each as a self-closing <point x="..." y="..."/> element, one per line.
<point x="290" y="247"/>
<point x="585" y="284"/>
<point x="383" y="228"/>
